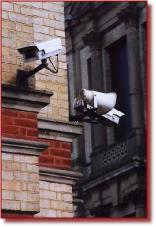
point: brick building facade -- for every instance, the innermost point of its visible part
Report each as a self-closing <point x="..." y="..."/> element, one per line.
<point x="43" y="154"/>
<point x="37" y="176"/>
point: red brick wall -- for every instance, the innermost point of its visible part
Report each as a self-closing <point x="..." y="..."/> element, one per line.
<point x="19" y="124"/>
<point x="16" y="216"/>
<point x="23" y="125"/>
<point x="58" y="154"/>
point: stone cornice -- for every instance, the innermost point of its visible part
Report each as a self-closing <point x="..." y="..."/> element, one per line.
<point x="24" y="99"/>
<point x="130" y="15"/>
<point x="21" y="146"/>
<point x="113" y="174"/>
<point x="58" y="130"/>
<point x="59" y="176"/>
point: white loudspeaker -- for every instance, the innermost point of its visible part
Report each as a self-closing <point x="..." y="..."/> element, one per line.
<point x="105" y="101"/>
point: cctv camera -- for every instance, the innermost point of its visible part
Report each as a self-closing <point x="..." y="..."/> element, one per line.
<point x="41" y="50"/>
<point x="93" y="106"/>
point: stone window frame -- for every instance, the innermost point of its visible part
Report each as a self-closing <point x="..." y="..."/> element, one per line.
<point x="109" y="39"/>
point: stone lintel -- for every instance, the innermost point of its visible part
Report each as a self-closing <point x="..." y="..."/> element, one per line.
<point x="58" y="130"/>
<point x="59" y="176"/>
<point x="8" y="213"/>
<point x="21" y="146"/>
<point x="24" y="99"/>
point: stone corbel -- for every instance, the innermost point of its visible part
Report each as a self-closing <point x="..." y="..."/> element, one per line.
<point x="92" y="39"/>
<point x="24" y="99"/>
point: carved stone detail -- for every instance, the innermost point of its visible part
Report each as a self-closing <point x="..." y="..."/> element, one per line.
<point x="93" y="39"/>
<point x="129" y="15"/>
<point x="114" y="154"/>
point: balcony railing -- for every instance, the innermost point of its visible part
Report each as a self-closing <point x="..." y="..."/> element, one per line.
<point x="116" y="155"/>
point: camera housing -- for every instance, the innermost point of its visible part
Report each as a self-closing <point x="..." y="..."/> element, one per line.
<point x="41" y="50"/>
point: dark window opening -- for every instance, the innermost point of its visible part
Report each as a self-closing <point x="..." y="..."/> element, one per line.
<point x="119" y="76"/>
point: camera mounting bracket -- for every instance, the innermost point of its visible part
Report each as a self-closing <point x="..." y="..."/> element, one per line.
<point x="87" y="113"/>
<point x="23" y="75"/>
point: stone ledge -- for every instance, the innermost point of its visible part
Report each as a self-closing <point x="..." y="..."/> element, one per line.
<point x="59" y="176"/>
<point x="8" y="213"/>
<point x="24" y="99"/>
<point x="58" y="130"/>
<point x="21" y="146"/>
<point x="109" y="176"/>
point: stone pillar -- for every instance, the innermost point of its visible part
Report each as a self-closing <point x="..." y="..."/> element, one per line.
<point x="93" y="39"/>
<point x="130" y="16"/>
<point x="56" y="193"/>
<point x="95" y="77"/>
<point x="20" y="176"/>
<point x="21" y="150"/>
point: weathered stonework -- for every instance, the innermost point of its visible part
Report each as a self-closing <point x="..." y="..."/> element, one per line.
<point x="20" y="175"/>
<point x="25" y="23"/>
<point x="27" y="154"/>
<point x="19" y="121"/>
<point x="55" y="200"/>
<point x="20" y="182"/>
<point x="56" y="192"/>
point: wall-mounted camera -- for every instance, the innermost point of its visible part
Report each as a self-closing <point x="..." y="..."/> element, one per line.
<point x="94" y="107"/>
<point x="42" y="51"/>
